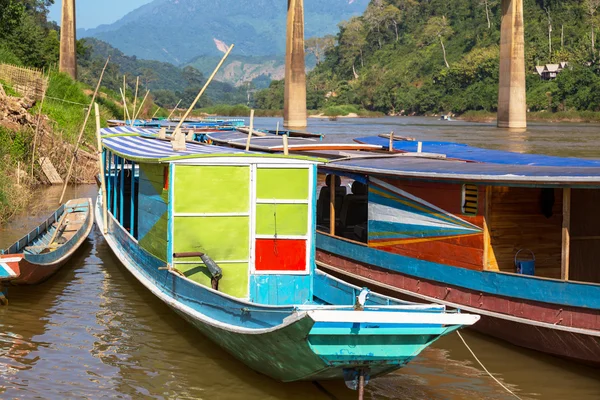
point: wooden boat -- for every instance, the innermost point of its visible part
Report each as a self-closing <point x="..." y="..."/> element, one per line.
<point x="169" y="214"/>
<point x="274" y="144"/>
<point x="39" y="254"/>
<point x="513" y="237"/>
<point x="274" y="132"/>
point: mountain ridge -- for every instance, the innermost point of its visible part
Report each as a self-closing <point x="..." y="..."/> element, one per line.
<point x="178" y="31"/>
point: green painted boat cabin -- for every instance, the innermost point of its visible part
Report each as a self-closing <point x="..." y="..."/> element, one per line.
<point x="253" y="214"/>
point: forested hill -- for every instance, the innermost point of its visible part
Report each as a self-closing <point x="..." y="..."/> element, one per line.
<point x="391" y="58"/>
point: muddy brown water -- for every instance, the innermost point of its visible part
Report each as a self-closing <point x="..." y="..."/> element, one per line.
<point x="93" y="331"/>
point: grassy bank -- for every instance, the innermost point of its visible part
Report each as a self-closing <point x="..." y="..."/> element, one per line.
<point x="63" y="110"/>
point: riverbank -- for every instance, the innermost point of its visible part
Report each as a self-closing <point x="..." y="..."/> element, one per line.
<point x="240" y="110"/>
<point x="561" y="116"/>
<point x="32" y="129"/>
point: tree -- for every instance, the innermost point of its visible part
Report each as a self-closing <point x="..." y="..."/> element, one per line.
<point x="438" y="27"/>
<point x="375" y="18"/>
<point x="352" y="39"/>
<point x="591" y="6"/>
<point x="488" y="4"/>
<point x="393" y="17"/>
<point x="318" y="46"/>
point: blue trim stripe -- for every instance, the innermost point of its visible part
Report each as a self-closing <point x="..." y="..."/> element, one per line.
<point x="391" y="230"/>
<point x="516" y="286"/>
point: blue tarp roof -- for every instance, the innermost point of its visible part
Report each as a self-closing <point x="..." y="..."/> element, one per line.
<point x="476" y="154"/>
<point x="415" y="167"/>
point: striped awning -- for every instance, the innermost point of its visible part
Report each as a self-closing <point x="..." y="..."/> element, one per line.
<point x="120" y="130"/>
<point x="151" y="148"/>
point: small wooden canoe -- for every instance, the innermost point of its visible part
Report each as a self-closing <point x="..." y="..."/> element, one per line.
<point x="40" y="253"/>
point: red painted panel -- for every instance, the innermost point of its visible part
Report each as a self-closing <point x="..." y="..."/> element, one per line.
<point x="280" y="254"/>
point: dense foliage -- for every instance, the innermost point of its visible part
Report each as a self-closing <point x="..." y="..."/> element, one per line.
<point x="427" y="56"/>
<point x="26" y="36"/>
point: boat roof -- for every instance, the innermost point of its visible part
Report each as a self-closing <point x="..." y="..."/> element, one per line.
<point x="143" y="145"/>
<point x="420" y="167"/>
<point x="475" y="154"/>
<point x="274" y="143"/>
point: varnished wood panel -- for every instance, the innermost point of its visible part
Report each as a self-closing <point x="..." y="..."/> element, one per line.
<point x="517" y="222"/>
<point x="585" y="235"/>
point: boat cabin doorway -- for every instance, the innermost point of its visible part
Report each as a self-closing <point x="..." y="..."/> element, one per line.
<point x="555" y="231"/>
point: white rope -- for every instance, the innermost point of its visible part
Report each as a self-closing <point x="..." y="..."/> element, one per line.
<point x="485" y="369"/>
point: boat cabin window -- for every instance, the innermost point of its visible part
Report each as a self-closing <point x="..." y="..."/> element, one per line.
<point x="470" y="199"/>
<point x="350" y="207"/>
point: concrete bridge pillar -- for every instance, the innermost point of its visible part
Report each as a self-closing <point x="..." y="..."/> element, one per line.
<point x="512" y="101"/>
<point x="294" y="109"/>
<point x="68" y="46"/>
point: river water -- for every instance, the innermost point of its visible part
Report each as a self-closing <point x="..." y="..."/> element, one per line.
<point x="93" y="331"/>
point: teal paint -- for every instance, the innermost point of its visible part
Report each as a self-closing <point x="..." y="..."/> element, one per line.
<point x="313" y="231"/>
<point x="114" y="186"/>
<point x="280" y="289"/>
<point x="132" y="201"/>
<point x="509" y="285"/>
<point x="151" y="205"/>
<point x="170" y="211"/>
<point x="121" y="176"/>
<point x="108" y="158"/>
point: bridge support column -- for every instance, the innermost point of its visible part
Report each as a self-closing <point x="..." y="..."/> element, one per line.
<point x="68" y="46"/>
<point x="294" y="109"/>
<point x="512" y="101"/>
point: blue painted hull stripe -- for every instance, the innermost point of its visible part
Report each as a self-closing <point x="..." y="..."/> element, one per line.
<point x="508" y="285"/>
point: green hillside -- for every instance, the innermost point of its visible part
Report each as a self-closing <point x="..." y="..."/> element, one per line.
<point x="391" y="59"/>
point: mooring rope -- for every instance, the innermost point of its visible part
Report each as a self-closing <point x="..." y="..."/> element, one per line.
<point x="485" y="369"/>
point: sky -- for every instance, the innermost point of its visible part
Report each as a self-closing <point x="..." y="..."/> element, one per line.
<point x="91" y="13"/>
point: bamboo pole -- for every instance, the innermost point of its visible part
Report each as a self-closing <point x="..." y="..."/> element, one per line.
<point x="391" y="145"/>
<point x="175" y="109"/>
<point x="102" y="172"/>
<point x="285" y="145"/>
<point x="204" y="88"/>
<point x="566" y="235"/>
<point x="277" y="131"/>
<point x="251" y="129"/>
<point x="141" y="106"/>
<point x="82" y="131"/>
<point x="37" y="129"/>
<point x="125" y="105"/>
<point x="125" y="111"/>
<point x="332" y="187"/>
<point x="155" y="112"/>
<point x="137" y="84"/>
